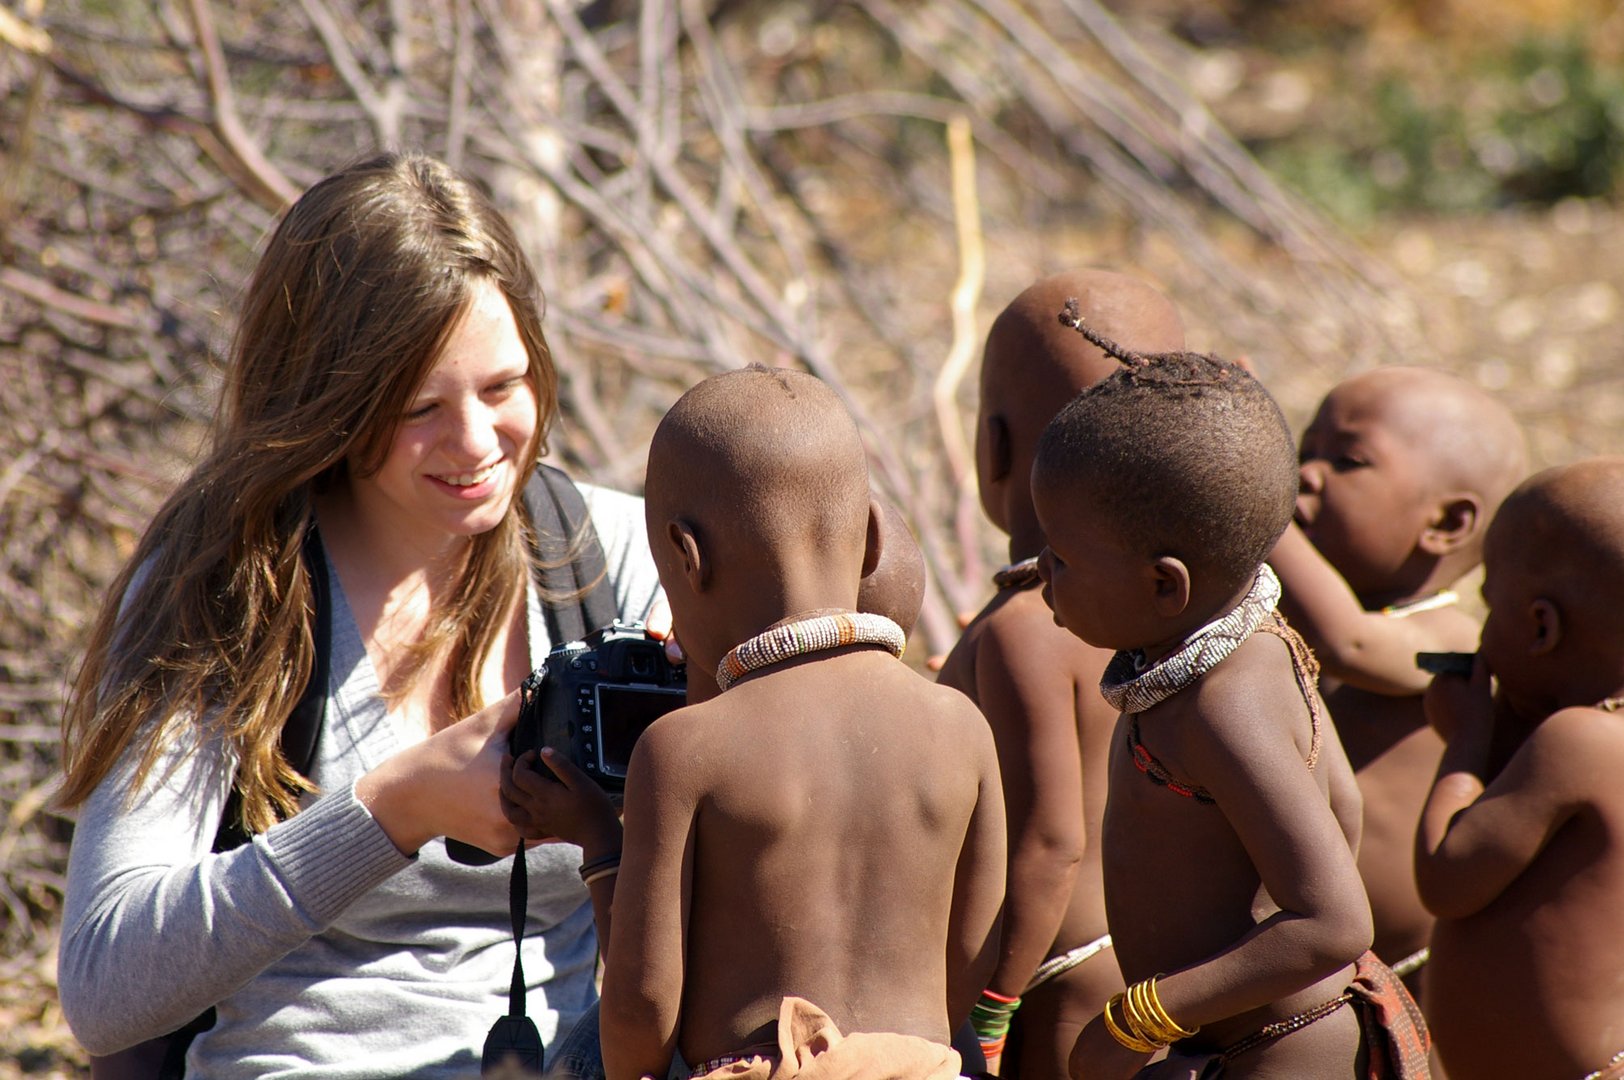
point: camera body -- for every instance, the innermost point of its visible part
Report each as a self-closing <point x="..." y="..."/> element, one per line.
<point x="594" y="697"/>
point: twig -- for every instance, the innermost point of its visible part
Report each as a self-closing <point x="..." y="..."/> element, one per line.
<point x="966" y="295"/>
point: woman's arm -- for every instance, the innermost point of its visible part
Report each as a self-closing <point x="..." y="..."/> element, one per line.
<point x="157" y="928"/>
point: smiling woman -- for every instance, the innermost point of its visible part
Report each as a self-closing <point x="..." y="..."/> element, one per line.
<point x="389" y="395"/>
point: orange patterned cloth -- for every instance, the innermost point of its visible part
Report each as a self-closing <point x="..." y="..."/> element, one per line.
<point x="810" y="1047"/>
<point x="1394" y="1030"/>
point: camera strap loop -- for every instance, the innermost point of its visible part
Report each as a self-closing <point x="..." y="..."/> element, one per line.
<point x="513" y="1047"/>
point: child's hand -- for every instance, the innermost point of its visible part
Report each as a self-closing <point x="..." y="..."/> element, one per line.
<point x="1454" y="704"/>
<point x="1097" y="1056"/>
<point x="571" y="808"/>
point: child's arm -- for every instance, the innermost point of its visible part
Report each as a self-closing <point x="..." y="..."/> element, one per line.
<point x="978" y="890"/>
<point x="1245" y="756"/>
<point x="1255" y="772"/>
<point x="1474" y="840"/>
<point x="1029" y="699"/>
<point x="644" y="975"/>
<point x="1362" y="648"/>
<point x="571" y="808"/>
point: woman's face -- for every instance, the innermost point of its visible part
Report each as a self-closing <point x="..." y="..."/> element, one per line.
<point x="456" y="461"/>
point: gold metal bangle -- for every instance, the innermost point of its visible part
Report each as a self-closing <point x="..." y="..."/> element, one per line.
<point x="1162" y="1016"/>
<point x="1131" y="1041"/>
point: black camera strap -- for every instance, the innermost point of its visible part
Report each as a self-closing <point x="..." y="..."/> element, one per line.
<point x="513" y="1047"/>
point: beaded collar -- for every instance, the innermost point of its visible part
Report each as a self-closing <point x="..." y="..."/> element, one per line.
<point x="1017" y="575"/>
<point x="1442" y="599"/>
<point x="803" y="636"/>
<point x="1130" y="686"/>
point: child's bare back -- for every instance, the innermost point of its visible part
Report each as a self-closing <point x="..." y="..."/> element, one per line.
<point x="827" y="803"/>
<point x="830" y="826"/>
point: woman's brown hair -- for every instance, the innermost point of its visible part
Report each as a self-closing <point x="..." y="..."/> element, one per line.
<point x="208" y="629"/>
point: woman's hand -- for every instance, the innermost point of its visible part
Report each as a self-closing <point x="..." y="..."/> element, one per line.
<point x="447" y="785"/>
<point x="565" y="805"/>
<point x="660" y="627"/>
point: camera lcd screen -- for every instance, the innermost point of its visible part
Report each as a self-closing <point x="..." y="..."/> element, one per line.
<point x="624" y="713"/>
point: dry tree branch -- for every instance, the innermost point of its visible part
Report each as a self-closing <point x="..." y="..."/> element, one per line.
<point x="961" y="354"/>
<point x="265" y="182"/>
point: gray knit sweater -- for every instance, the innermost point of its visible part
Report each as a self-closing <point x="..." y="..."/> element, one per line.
<point x="326" y="952"/>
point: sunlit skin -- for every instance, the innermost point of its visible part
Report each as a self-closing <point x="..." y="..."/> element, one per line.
<point x="456" y="460"/>
<point x="1250" y="907"/>
<point x="1518" y="854"/>
<point x="1364" y="496"/>
<point x="1400" y="472"/>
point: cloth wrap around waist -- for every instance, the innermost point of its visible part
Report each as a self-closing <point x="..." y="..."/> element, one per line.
<point x="811" y="1047"/>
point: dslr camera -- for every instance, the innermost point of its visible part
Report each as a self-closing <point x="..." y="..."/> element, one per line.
<point x="593" y="698"/>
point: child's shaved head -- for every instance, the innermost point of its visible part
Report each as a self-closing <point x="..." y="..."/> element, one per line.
<point x="1563" y="529"/>
<point x="1469" y="439"/>
<point x="1032" y="359"/>
<point x="762" y="462"/>
<point x="1182" y="455"/>
<point x="895" y="587"/>
<point x="1033" y="366"/>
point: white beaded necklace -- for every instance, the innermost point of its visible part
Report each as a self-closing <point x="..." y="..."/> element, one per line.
<point x="1130" y="686"/>
<point x="805" y="636"/>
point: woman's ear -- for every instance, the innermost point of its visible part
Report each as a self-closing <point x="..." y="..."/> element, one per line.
<point x="684" y="539"/>
<point x="876" y="537"/>
<point x="1457" y="518"/>
<point x="1545" y="624"/>
<point x="1170" y="585"/>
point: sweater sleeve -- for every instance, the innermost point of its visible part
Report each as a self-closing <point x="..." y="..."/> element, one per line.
<point x="157" y="928"/>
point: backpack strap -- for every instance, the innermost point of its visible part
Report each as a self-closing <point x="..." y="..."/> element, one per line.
<point x="302" y="729"/>
<point x="570" y="558"/>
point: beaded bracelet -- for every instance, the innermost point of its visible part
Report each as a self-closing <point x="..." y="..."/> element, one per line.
<point x="991" y="1016"/>
<point x="599" y="875"/>
<point x="602" y="862"/>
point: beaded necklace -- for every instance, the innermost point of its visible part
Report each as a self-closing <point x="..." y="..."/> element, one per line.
<point x="1443" y="599"/>
<point x="804" y="636"/>
<point x="1017" y="575"/>
<point x="1131" y="686"/>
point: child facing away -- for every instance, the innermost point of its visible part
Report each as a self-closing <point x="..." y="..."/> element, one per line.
<point x="1401" y="471"/>
<point x="1038" y="685"/>
<point x="1231" y="891"/>
<point x="1520" y="853"/>
<point x="829" y="828"/>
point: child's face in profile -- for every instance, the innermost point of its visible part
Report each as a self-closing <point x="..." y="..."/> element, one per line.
<point x="1091" y="580"/>
<point x="1363" y="500"/>
<point x="1504" y="644"/>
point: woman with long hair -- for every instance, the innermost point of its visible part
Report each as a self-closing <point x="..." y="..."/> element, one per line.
<point x="390" y="389"/>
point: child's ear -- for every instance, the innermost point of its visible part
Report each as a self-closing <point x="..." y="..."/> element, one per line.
<point x="876" y="538"/>
<point x="1545" y="622"/>
<point x="993" y="449"/>
<point x="684" y="538"/>
<point x="1456" y="520"/>
<point x="1170" y="582"/>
